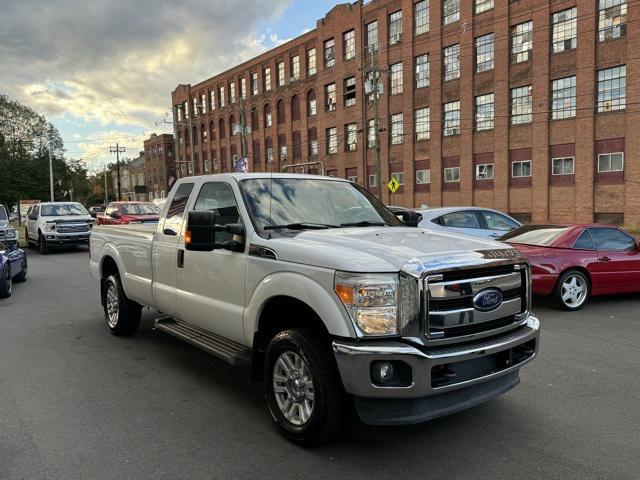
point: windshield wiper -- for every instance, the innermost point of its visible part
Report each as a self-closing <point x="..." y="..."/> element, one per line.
<point x="364" y="223"/>
<point x="300" y="226"/>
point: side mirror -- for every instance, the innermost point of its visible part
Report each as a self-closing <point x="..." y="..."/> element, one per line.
<point x="411" y="218"/>
<point x="200" y="235"/>
<point x="93" y="214"/>
<point x="115" y="214"/>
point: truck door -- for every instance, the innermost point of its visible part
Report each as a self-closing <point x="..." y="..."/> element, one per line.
<point x="211" y="284"/>
<point x="167" y="252"/>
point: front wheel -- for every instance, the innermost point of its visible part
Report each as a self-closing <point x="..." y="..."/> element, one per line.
<point x="302" y="387"/>
<point x="22" y="276"/>
<point x="42" y="245"/>
<point x="6" y="284"/>
<point x="573" y="290"/>
<point x="121" y="314"/>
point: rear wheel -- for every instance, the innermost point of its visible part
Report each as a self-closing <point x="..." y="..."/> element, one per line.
<point x="302" y="387"/>
<point x="42" y="245"/>
<point x="6" y="284"/>
<point x="121" y="314"/>
<point x="573" y="290"/>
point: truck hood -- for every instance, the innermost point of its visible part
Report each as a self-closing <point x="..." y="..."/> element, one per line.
<point x="383" y="249"/>
<point x="69" y="219"/>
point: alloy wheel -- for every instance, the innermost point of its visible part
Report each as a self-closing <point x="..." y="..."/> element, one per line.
<point x="574" y="291"/>
<point x="293" y="388"/>
<point x="113" y="306"/>
<point x="8" y="281"/>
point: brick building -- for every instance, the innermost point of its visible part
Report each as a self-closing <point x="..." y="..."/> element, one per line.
<point x="159" y="165"/>
<point x="527" y="106"/>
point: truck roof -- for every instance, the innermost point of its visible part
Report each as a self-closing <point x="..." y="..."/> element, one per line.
<point x="262" y="175"/>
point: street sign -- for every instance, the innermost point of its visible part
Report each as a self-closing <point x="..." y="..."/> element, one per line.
<point x="393" y="185"/>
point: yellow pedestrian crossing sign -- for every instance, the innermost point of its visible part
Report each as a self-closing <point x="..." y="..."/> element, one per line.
<point x="393" y="185"/>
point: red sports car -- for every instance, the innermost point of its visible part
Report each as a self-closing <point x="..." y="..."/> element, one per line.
<point x="122" y="213"/>
<point x="572" y="263"/>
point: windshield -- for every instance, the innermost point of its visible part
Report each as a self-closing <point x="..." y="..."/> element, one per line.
<point x="311" y="201"/>
<point x="63" y="210"/>
<point x="140" y="209"/>
<point x="3" y="213"/>
<point x="541" y="235"/>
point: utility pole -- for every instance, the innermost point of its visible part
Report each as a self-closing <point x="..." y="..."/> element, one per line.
<point x="51" y="174"/>
<point x="106" y="195"/>
<point x="118" y="150"/>
<point x="373" y="88"/>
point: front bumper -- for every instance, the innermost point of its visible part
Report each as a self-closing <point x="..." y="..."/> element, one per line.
<point x="67" y="239"/>
<point x="482" y="370"/>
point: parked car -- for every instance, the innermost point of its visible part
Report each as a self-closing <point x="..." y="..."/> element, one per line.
<point x="95" y="211"/>
<point x="317" y="286"/>
<point x="4" y="221"/>
<point x="13" y="264"/>
<point x="572" y="263"/>
<point x="59" y="224"/>
<point x="474" y="221"/>
<point x="122" y="213"/>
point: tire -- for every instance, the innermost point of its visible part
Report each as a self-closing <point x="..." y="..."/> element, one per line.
<point x="572" y="290"/>
<point x="22" y="276"/>
<point x="42" y="245"/>
<point x="122" y="315"/>
<point x="308" y="386"/>
<point x="6" y="283"/>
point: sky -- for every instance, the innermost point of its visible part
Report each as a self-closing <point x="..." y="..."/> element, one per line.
<point x="102" y="71"/>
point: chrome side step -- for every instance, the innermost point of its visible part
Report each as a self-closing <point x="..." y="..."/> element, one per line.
<point x="221" y="347"/>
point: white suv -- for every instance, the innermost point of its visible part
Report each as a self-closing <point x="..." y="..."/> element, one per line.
<point x="65" y="224"/>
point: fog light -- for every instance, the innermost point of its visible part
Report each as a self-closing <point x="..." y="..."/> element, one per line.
<point x="383" y="372"/>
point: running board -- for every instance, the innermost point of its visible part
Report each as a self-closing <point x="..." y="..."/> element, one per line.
<point x="221" y="347"/>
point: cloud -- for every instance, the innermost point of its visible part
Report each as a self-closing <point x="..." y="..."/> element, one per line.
<point x="116" y="62"/>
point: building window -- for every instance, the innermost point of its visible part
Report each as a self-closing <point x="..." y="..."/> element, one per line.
<point x="422" y="124"/>
<point x="212" y="100"/>
<point x="423" y="177"/>
<point x="484" y="171"/>
<point x="398" y="177"/>
<point x="280" y="74"/>
<point x="295" y="68"/>
<point x="612" y="89"/>
<point x="396" y="78"/>
<point x="421" y="17"/>
<point x="254" y="83"/>
<point x="332" y="140"/>
<point x="450" y="11"/>
<point x="521" y="42"/>
<point x="330" y="97"/>
<point x="283" y="153"/>
<point x="311" y="61"/>
<point x="563" y="98"/>
<point x="371" y="133"/>
<point x="195" y="106"/>
<point x="565" y="29"/>
<point x="422" y="71"/>
<point x="313" y="148"/>
<point x="329" y="53"/>
<point x="373" y="181"/>
<point x="349" y="44"/>
<point x="232" y="92"/>
<point x="452" y="118"/>
<point x="372" y="35"/>
<point x="243" y="88"/>
<point x="267" y="79"/>
<point x="269" y="154"/>
<point x="521" y="169"/>
<point x="484" y="112"/>
<point x="350" y="92"/>
<point x="203" y="103"/>
<point x="395" y="27"/>
<point x="351" y="137"/>
<point x="483" y="6"/>
<point x="221" y="97"/>
<point x="612" y="19"/>
<point x="452" y="174"/>
<point x="484" y="53"/>
<point x="397" y="128"/>
<point x="353" y="178"/>
<point x="452" y="62"/>
<point x="268" y="121"/>
<point x="562" y="166"/>
<point x="312" y="104"/>
<point x="521" y="105"/>
<point x="611" y="162"/>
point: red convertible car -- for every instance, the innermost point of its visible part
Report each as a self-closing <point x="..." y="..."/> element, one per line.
<point x="122" y="213"/>
<point x="572" y="263"/>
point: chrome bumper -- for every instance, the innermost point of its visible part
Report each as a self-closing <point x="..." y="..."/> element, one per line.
<point x="354" y="361"/>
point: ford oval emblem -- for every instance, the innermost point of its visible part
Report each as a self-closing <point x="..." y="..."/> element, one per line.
<point x="488" y="300"/>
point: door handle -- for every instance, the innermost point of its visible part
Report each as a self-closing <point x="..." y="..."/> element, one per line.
<point x="180" y="258"/>
<point x="169" y="232"/>
<point x="605" y="259"/>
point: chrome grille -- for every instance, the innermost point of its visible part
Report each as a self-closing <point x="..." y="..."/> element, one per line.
<point x="72" y="228"/>
<point x="449" y="298"/>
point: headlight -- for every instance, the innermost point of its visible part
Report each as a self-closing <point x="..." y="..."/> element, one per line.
<point x="10" y="233"/>
<point x="371" y="300"/>
<point x="50" y="227"/>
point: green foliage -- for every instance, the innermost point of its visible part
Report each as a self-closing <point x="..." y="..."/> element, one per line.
<point x="25" y="139"/>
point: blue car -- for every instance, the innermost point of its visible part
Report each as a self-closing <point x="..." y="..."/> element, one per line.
<point x="13" y="265"/>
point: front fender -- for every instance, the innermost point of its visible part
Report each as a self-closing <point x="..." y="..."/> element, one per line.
<point x="304" y="289"/>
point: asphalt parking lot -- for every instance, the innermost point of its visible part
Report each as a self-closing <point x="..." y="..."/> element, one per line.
<point x="78" y="403"/>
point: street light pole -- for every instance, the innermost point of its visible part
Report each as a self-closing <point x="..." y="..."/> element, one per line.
<point x="51" y="174"/>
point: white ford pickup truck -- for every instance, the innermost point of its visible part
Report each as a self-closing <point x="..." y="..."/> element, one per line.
<point x="327" y="295"/>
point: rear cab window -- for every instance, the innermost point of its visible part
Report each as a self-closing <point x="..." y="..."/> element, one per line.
<point x="175" y="212"/>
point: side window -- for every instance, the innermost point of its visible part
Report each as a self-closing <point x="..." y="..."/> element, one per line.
<point x="218" y="197"/>
<point x="34" y="212"/>
<point x="584" y="242"/>
<point x="460" y="220"/>
<point x="612" y="239"/>
<point x="109" y="210"/>
<point x="175" y="213"/>
<point x="496" y="221"/>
